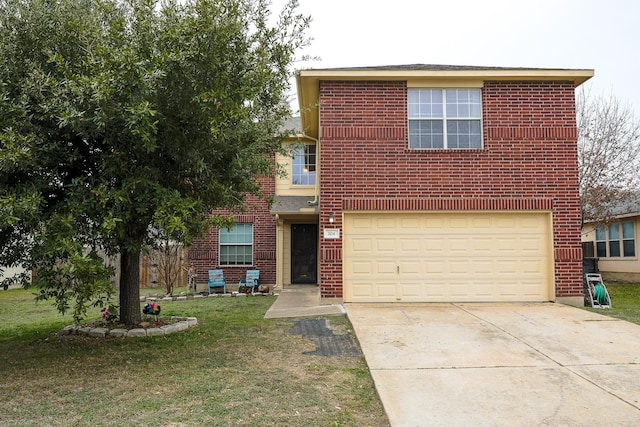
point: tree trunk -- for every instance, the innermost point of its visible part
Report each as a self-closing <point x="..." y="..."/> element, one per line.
<point x="130" y="287"/>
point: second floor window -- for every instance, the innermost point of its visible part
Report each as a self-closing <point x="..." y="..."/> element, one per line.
<point x="616" y="240"/>
<point x="445" y="118"/>
<point x="304" y="165"/>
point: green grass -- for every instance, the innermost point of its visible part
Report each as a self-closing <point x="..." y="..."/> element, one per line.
<point x="234" y="369"/>
<point x="625" y="302"/>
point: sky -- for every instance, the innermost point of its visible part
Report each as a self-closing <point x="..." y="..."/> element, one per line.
<point x="582" y="34"/>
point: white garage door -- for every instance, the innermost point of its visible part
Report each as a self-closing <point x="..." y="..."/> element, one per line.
<point x="447" y="257"/>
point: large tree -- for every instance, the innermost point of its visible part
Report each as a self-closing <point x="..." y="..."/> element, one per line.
<point x="608" y="155"/>
<point x="120" y="118"/>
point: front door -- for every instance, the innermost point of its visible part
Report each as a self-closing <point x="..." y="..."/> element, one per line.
<point x="304" y="253"/>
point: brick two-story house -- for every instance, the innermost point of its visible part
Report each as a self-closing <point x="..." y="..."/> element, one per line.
<point x="421" y="183"/>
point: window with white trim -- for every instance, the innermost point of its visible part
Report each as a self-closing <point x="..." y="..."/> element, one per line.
<point x="304" y="165"/>
<point x="445" y="118"/>
<point x="616" y="240"/>
<point x="236" y="245"/>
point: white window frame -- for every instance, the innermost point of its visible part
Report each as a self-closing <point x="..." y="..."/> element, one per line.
<point x="303" y="170"/>
<point x="226" y="259"/>
<point x="442" y="111"/>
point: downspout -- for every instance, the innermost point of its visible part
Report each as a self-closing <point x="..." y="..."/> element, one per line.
<point x="317" y="185"/>
<point x="302" y="102"/>
<point x="315" y="202"/>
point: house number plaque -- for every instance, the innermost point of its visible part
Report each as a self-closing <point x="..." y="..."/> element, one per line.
<point x="331" y="233"/>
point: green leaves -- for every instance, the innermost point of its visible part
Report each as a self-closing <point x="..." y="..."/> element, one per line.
<point x="78" y="282"/>
<point x="17" y="208"/>
<point x="140" y="121"/>
<point x="123" y="121"/>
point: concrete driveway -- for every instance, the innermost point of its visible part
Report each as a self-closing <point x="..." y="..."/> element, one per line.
<point x="500" y="364"/>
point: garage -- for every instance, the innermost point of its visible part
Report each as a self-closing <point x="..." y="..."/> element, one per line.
<point x="448" y="257"/>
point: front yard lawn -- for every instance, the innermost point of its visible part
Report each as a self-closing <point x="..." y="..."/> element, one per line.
<point x="234" y="368"/>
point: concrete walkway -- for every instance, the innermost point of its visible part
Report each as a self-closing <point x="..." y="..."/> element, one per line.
<point x="500" y="364"/>
<point x="301" y="301"/>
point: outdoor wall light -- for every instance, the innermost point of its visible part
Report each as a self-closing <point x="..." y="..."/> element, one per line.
<point x="332" y="219"/>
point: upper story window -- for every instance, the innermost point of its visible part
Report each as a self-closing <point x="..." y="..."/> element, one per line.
<point x="304" y="165"/>
<point x="445" y="118"/>
<point x="616" y="240"/>
<point x="236" y="245"/>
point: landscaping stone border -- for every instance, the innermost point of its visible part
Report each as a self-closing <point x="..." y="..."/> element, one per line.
<point x="233" y="294"/>
<point x="182" y="324"/>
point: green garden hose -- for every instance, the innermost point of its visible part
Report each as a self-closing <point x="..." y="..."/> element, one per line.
<point x="600" y="294"/>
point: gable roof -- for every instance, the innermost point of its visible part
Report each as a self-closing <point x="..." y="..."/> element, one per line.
<point x="308" y="80"/>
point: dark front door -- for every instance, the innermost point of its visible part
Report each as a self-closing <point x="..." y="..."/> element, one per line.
<point x="304" y="253"/>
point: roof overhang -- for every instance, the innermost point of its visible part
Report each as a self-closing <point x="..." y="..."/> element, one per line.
<point x="294" y="205"/>
<point x="308" y="81"/>
<point x="614" y="218"/>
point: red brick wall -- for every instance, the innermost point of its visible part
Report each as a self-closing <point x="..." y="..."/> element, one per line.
<point x="203" y="255"/>
<point x="529" y="161"/>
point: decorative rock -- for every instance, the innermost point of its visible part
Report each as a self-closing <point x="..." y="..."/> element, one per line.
<point x="192" y="321"/>
<point x="154" y="332"/>
<point x="153" y="299"/>
<point x="198" y="296"/>
<point x="167" y="299"/>
<point x="181" y="298"/>
<point x="181" y="326"/>
<point x="143" y="298"/>
<point x="118" y="333"/>
<point x="169" y="329"/>
<point x="137" y="333"/>
<point x="68" y="330"/>
<point x="98" y="332"/>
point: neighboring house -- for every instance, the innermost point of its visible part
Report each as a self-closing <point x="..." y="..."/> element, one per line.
<point x="615" y="244"/>
<point x="421" y="183"/>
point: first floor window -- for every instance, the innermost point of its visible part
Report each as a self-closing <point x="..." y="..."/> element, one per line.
<point x="628" y="239"/>
<point x="601" y="242"/>
<point x="616" y="240"/>
<point x="304" y="165"/>
<point x="236" y="245"/>
<point x="445" y="118"/>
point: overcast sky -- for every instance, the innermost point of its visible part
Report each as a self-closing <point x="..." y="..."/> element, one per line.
<point x="591" y="34"/>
